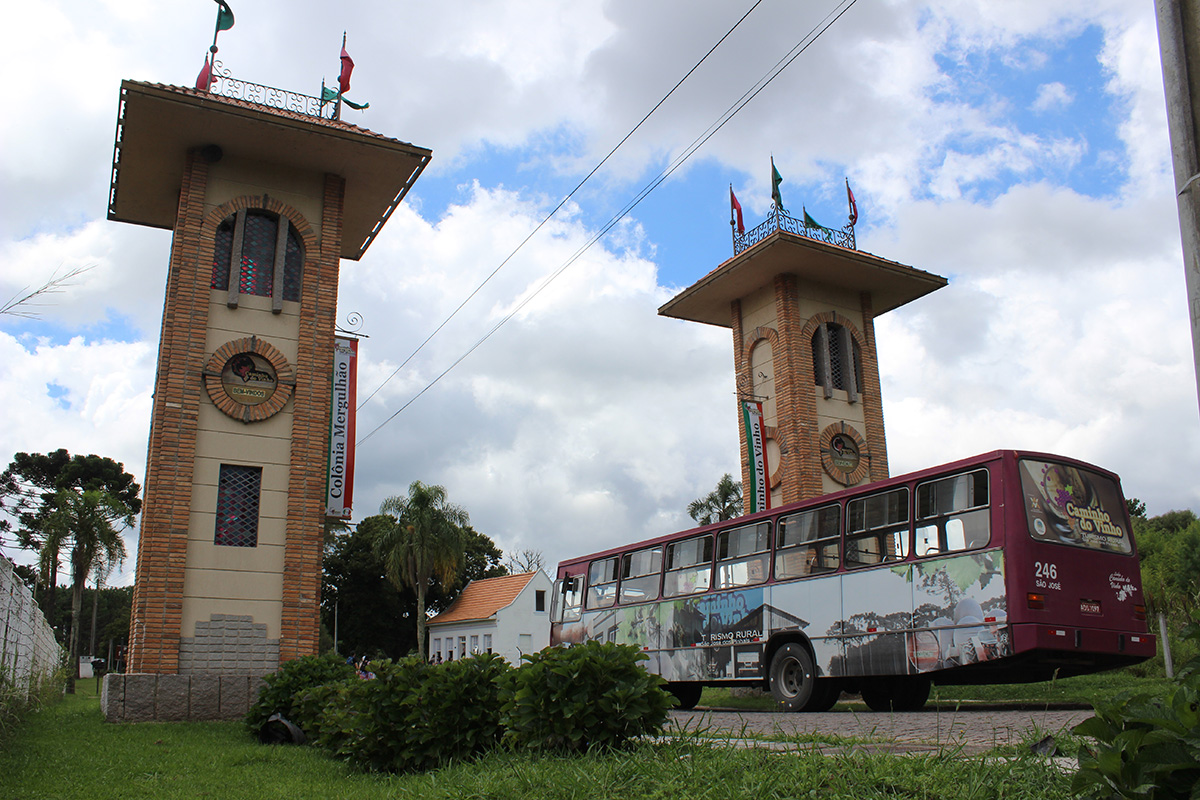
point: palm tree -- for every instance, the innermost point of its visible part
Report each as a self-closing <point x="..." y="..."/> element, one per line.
<point x="424" y="542"/>
<point x="722" y="503"/>
<point x="86" y="522"/>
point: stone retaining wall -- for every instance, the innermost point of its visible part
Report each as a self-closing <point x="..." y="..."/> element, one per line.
<point x="177" y="698"/>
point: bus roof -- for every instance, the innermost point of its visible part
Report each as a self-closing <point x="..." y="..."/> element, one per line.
<point x="963" y="463"/>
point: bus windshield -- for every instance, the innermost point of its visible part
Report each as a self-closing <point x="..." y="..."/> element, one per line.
<point x="1074" y="506"/>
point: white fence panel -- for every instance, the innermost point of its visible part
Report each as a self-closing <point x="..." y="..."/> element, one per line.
<point x="28" y="649"/>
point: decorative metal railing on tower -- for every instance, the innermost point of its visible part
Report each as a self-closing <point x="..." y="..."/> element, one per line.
<point x="780" y="220"/>
<point x="225" y="85"/>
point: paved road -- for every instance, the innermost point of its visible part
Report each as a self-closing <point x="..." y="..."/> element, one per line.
<point x="972" y="730"/>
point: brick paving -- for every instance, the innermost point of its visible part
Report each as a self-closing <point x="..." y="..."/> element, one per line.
<point x="971" y="731"/>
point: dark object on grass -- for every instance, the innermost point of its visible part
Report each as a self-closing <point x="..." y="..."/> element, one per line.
<point x="1046" y="746"/>
<point x="278" y="730"/>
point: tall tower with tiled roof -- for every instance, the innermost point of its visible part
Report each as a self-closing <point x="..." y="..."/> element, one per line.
<point x="264" y="202"/>
<point x="801" y="303"/>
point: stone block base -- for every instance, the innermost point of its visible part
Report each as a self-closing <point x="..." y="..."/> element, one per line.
<point x="177" y="698"/>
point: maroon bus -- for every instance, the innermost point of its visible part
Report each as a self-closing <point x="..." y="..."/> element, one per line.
<point x="1008" y="567"/>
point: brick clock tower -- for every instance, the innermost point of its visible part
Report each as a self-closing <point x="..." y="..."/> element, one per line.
<point x="264" y="202"/>
<point x="802" y="303"/>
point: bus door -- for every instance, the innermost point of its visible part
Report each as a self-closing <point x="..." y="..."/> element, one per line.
<point x="877" y="591"/>
<point x="566" y="613"/>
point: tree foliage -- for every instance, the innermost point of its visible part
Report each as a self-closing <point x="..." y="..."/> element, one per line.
<point x="423" y="542"/>
<point x="722" y="503"/>
<point x="89" y="524"/>
<point x="375" y="617"/>
<point x="1169" y="552"/>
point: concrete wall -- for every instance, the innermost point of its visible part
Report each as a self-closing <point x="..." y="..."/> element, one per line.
<point x="138" y="697"/>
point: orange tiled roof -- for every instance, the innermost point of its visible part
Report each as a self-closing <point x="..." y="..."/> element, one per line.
<point x="483" y="598"/>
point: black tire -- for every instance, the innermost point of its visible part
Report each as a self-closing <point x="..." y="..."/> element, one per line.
<point x="824" y="696"/>
<point x="792" y="677"/>
<point x="687" y="694"/>
<point x="896" y="694"/>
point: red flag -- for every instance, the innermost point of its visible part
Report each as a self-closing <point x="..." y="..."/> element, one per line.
<point x="347" y="68"/>
<point x="853" y="205"/>
<point x="735" y="210"/>
<point x="204" y="79"/>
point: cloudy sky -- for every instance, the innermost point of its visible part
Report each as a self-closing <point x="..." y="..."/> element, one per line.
<point x="1019" y="149"/>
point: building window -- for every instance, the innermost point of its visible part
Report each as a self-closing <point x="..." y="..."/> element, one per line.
<point x="539" y="600"/>
<point x="238" y="490"/>
<point x="837" y="360"/>
<point x="462" y="647"/>
<point x="487" y="642"/>
<point x="259" y="253"/>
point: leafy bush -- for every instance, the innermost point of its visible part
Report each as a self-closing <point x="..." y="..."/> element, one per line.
<point x="413" y="715"/>
<point x="284" y="688"/>
<point x="1146" y="746"/>
<point x="575" y="698"/>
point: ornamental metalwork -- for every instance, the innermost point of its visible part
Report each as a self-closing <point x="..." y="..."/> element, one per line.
<point x="780" y="220"/>
<point x="225" y="85"/>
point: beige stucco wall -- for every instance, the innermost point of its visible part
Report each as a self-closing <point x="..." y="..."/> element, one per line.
<point x="233" y="177"/>
<point x="241" y="580"/>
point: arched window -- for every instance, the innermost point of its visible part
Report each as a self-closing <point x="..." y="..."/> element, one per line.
<point x="837" y="360"/>
<point x="258" y="253"/>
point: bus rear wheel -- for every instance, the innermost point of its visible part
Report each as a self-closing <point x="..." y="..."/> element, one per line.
<point x="896" y="694"/>
<point x="688" y="694"/>
<point x="792" y="677"/>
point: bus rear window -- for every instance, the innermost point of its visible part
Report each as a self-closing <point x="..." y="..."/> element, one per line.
<point x="1073" y="506"/>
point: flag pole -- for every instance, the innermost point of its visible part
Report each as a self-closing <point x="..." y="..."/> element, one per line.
<point x="337" y="107"/>
<point x="732" y="222"/>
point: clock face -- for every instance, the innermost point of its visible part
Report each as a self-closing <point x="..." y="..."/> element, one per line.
<point x="249" y="379"/>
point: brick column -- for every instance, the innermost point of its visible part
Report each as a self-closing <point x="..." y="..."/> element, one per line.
<point x="162" y="545"/>
<point x="872" y="396"/>
<point x="299" y="632"/>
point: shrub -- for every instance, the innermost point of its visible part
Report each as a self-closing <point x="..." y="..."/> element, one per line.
<point x="575" y="698"/>
<point x="413" y="715"/>
<point x="285" y="687"/>
<point x="1146" y="746"/>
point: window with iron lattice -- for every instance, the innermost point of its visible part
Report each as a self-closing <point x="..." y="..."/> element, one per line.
<point x="837" y="360"/>
<point x="238" y="491"/>
<point x="251" y="247"/>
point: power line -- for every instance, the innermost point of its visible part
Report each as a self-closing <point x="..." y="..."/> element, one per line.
<point x="561" y="203"/>
<point x="815" y="33"/>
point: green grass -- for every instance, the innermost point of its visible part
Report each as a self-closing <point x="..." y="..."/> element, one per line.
<point x="67" y="751"/>
<point x="1081" y="689"/>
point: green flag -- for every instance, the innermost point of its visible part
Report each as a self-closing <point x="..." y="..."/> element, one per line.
<point x="809" y="222"/>
<point x="224" y="16"/>
<point x="776" y="179"/>
<point x="329" y="95"/>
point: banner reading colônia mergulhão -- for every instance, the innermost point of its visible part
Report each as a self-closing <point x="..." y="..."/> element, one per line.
<point x="340" y="482"/>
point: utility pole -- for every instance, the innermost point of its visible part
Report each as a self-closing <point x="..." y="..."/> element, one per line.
<point x="1179" y="44"/>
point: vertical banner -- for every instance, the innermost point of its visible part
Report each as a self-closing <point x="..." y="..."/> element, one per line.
<point x="339" y="492"/>
<point x="756" y="449"/>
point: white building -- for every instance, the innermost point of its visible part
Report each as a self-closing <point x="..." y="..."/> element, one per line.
<point x="508" y="616"/>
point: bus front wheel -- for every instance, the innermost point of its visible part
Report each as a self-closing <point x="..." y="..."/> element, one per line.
<point x="687" y="694"/>
<point x="792" y="677"/>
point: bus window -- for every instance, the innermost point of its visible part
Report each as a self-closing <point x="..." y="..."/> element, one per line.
<point x="952" y="514"/>
<point x="877" y="528"/>
<point x="566" y="598"/>
<point x="639" y="575"/>
<point x="808" y="543"/>
<point x="1074" y="506"/>
<point x="689" y="566"/>
<point x="743" y="555"/>
<point x="602" y="583"/>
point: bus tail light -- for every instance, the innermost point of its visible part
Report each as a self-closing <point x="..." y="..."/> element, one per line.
<point x="1139" y="611"/>
<point x="1035" y="600"/>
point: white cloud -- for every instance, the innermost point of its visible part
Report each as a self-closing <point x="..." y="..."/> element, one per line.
<point x="587" y="419"/>
<point x="1052" y="96"/>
